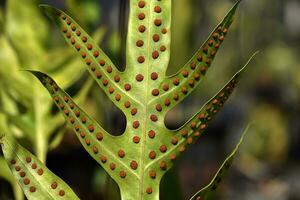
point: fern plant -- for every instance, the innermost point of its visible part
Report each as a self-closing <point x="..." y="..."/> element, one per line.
<point x="138" y="159"/>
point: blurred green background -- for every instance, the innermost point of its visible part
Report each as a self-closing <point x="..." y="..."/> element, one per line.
<point x="268" y="165"/>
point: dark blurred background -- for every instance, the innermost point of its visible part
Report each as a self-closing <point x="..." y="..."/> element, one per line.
<point x="268" y="165"/>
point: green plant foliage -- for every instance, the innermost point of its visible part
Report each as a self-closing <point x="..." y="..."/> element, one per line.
<point x="35" y="179"/>
<point x="207" y="192"/>
<point x="138" y="159"/>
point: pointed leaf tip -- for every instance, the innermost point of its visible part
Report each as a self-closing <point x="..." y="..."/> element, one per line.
<point x="207" y="192"/>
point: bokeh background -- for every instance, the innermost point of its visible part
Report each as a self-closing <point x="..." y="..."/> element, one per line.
<point x="268" y="164"/>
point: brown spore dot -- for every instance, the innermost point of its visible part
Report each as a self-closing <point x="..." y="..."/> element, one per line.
<point x="203" y="70"/>
<point x="32" y="189"/>
<point x="67" y="112"/>
<point x="117" y="78"/>
<point x="127" y="104"/>
<point x="157" y="22"/>
<point x="17" y="168"/>
<point x="191" y="83"/>
<point x="28" y="159"/>
<point x="77" y="46"/>
<point x="142" y="28"/>
<point x="225" y="30"/>
<point x="139" y="77"/>
<point x="83" y="55"/>
<point x="135" y="124"/>
<point x="34" y="166"/>
<point x="13" y="161"/>
<point x="61" y="193"/>
<point x="153" y="118"/>
<point x="197" y="76"/>
<point x="193" y="125"/>
<point x="163" y="165"/>
<point x="95" y="150"/>
<point x="90" y="46"/>
<point x="73" y="27"/>
<point x="154" y="75"/>
<point x="118" y="97"/>
<point x="91" y="128"/>
<point x="96" y="54"/>
<point x="175" y="97"/>
<point x="88" y="61"/>
<point x="133" y="164"/>
<point x="40" y="171"/>
<point x="72" y="120"/>
<point x="26" y="181"/>
<point x="77" y="113"/>
<point x="181" y="148"/>
<point x="158" y="107"/>
<point x="163" y="148"/>
<point x="190" y="140"/>
<point x="63" y="17"/>
<point x="140" y="43"/>
<point x="210" y="42"/>
<point x="164" y="31"/>
<point x="155" y="92"/>
<point x="141" y="16"/>
<point x="193" y="65"/>
<point x="68" y="21"/>
<point x="121" y="153"/>
<point x="54" y="185"/>
<point x="72" y="40"/>
<point x="82" y="134"/>
<point x="165" y="87"/>
<point x="134" y="111"/>
<point x="152" y="174"/>
<point x="102" y="62"/>
<point x="167" y="102"/>
<point x="105" y="82"/>
<point x="151" y="134"/>
<point x="163" y="48"/>
<point x="111" y="90"/>
<point x="72" y="105"/>
<point x="202" y="126"/>
<point x="78" y="33"/>
<point x="122" y="174"/>
<point x="184" y="133"/>
<point x="141" y="4"/>
<point x="155" y="37"/>
<point x="215" y="101"/>
<point x="221" y="38"/>
<point x="185" y="73"/>
<point x="155" y="54"/>
<point x="149" y="190"/>
<point x="200" y="58"/>
<point x="197" y="134"/>
<point x="22" y="174"/>
<point x="157" y="9"/>
<point x="176" y="81"/>
<point x="87" y="142"/>
<point x="141" y="59"/>
<point x="184" y="90"/>
<point x="215" y="36"/>
<point x="109" y="69"/>
<point x="84" y="39"/>
<point x="152" y="155"/>
<point x="136" y="139"/>
<point x="99" y="136"/>
<point x="173" y="157"/>
<point x="174" y="141"/>
<point x="103" y="159"/>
